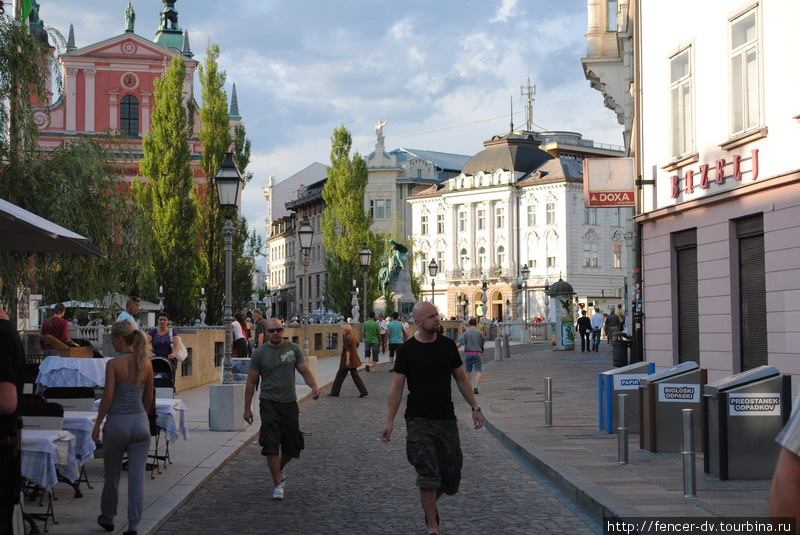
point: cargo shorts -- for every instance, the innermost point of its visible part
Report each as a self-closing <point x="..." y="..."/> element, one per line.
<point x="433" y="447"/>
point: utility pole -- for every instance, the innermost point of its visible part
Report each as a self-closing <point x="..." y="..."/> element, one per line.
<point x="528" y="92"/>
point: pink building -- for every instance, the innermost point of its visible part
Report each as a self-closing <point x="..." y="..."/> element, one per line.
<point x="108" y="86"/>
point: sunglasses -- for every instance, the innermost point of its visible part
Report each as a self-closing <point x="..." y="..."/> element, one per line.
<point x="278" y="330"/>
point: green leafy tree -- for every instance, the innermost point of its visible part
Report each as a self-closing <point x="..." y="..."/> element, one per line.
<point x="346" y="226"/>
<point x="165" y="201"/>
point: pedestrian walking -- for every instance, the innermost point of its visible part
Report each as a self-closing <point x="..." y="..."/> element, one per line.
<point x="240" y="347"/>
<point x="382" y="324"/>
<point x="348" y="363"/>
<point x="396" y="334"/>
<point x="784" y="499"/>
<point x="260" y="337"/>
<point x="274" y="363"/>
<point x="612" y="325"/>
<point x="430" y="361"/>
<point x="128" y="397"/>
<point x="12" y="377"/>
<point x="473" y="342"/>
<point x="597" y="325"/>
<point x="371" y="343"/>
<point x="584" y="328"/>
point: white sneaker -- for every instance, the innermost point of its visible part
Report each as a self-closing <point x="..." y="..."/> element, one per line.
<point x="277" y="494"/>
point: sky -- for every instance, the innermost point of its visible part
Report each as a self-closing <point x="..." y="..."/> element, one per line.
<point x="442" y="72"/>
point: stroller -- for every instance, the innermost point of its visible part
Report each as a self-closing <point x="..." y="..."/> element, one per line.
<point x="164" y="383"/>
<point x="162" y="368"/>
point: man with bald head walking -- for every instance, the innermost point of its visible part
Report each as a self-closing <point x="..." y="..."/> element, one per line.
<point x="430" y="361"/>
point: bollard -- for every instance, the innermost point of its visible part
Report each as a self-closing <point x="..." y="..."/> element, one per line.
<point x="687" y="451"/>
<point x="506" y="347"/>
<point x="498" y="350"/>
<point x="622" y="430"/>
<point x="548" y="402"/>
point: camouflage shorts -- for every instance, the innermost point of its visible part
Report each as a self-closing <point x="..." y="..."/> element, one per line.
<point x="434" y="448"/>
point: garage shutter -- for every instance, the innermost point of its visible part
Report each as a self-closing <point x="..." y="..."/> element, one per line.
<point x="685" y="244"/>
<point x="752" y="288"/>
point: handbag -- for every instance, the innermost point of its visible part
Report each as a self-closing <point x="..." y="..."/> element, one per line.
<point x="182" y="352"/>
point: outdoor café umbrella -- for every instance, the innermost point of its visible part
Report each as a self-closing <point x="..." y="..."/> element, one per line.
<point x="21" y="230"/>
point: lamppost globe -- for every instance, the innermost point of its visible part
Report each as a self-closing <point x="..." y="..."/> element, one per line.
<point x="433" y="269"/>
<point x="229" y="185"/>
<point x="305" y="233"/>
<point x="525" y="272"/>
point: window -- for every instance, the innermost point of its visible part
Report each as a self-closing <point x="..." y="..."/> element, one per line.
<point x="617" y="256"/>
<point x="129" y="115"/>
<point x="380" y="208"/>
<point x="482" y="258"/>
<point x="500" y="217"/>
<point x="440" y="223"/>
<point x="744" y="72"/>
<point x="680" y="90"/>
<point x="439" y="261"/>
<point x="551" y="261"/>
<point x="462" y="221"/>
<point x="463" y="259"/>
<point x="589" y="216"/>
<point x="424" y="225"/>
<point x="550" y="210"/>
<point x="531" y="215"/>
<point x="501" y="256"/>
<point x="611" y="15"/>
<point x="481" y="219"/>
<point x="590" y="254"/>
<point x="616" y="217"/>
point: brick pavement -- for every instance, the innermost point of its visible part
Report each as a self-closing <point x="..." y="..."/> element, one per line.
<point x="347" y="482"/>
<point x="582" y="460"/>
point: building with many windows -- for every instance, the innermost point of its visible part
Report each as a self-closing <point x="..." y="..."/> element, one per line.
<point x="516" y="204"/>
<point x="711" y="115"/>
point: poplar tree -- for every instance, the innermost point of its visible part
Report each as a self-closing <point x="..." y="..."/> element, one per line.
<point x="346" y="227"/>
<point x="165" y="202"/>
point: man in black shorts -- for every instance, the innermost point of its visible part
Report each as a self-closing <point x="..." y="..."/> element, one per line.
<point x="280" y="438"/>
<point x="429" y="361"/>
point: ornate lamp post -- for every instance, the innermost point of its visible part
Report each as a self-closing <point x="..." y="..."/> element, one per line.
<point x="364" y="257"/>
<point x="458" y="305"/>
<point x="229" y="184"/>
<point x="433" y="270"/>
<point x="485" y="288"/>
<point x="305" y="234"/>
<point x="525" y="274"/>
<point x="466" y="307"/>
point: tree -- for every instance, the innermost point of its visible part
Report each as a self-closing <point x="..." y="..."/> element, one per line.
<point x="165" y="201"/>
<point x="346" y="226"/>
<point x="74" y="186"/>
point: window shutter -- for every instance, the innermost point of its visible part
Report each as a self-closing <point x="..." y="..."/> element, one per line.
<point x="752" y="288"/>
<point x="685" y="244"/>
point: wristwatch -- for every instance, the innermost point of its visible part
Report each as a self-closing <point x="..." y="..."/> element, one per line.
<point x="476" y="409"/>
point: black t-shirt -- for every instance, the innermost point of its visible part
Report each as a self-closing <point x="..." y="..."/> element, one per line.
<point x="428" y="369"/>
<point x="584" y="325"/>
<point x="12" y="370"/>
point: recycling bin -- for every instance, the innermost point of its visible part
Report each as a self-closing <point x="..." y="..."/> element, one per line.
<point x="744" y="413"/>
<point x="662" y="396"/>
<point x="624" y="380"/>
<point x="620" y="347"/>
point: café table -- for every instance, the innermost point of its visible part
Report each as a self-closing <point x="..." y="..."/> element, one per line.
<point x="81" y="424"/>
<point x="46" y="453"/>
<point x="69" y="371"/>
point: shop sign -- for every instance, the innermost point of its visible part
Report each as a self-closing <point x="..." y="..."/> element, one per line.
<point x="716" y="175"/>
<point x="679" y="393"/>
<point x="768" y="404"/>
<point x="608" y="182"/>
<point x="627" y="382"/>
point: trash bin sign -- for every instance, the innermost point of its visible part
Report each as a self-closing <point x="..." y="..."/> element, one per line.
<point x="623" y="380"/>
<point x="662" y="396"/>
<point x="744" y="413"/>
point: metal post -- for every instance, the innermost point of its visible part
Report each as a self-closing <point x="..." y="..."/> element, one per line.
<point x="548" y="402"/>
<point x="687" y="451"/>
<point x="433" y="290"/>
<point x="366" y="312"/>
<point x="306" y="294"/>
<point x="622" y="430"/>
<point x="227" y="316"/>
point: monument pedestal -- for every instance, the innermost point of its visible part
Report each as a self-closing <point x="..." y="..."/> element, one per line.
<point x="226" y="407"/>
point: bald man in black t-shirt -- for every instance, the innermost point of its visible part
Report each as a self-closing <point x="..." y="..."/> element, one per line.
<point x="430" y="361"/>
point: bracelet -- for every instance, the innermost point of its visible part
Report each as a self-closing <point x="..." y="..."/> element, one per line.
<point x="476" y="409"/>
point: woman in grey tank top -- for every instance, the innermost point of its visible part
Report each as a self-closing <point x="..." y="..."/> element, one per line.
<point x="127" y="398"/>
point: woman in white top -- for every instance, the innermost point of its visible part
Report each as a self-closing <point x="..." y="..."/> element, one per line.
<point x="240" y="346"/>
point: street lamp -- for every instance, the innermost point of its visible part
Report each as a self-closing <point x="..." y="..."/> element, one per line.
<point x="525" y="274"/>
<point x="364" y="257"/>
<point x="229" y="184"/>
<point x="433" y="269"/>
<point x="305" y="234"/>
<point x="484" y="297"/>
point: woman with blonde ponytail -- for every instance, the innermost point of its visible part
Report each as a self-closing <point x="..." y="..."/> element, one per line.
<point x="127" y="398"/>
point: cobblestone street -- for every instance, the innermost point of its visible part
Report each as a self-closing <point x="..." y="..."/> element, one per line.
<point x="347" y="482"/>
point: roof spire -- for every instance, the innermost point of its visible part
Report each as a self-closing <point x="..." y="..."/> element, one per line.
<point x="187" y="50"/>
<point x="511" y="99"/>
<point x="71" y="39"/>
<point x="234" y="110"/>
<point x="528" y="92"/>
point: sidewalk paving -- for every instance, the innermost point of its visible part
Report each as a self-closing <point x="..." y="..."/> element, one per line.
<point x="574" y="454"/>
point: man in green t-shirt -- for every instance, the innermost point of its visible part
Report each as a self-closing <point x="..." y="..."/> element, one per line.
<point x="274" y="364"/>
<point x="371" y="342"/>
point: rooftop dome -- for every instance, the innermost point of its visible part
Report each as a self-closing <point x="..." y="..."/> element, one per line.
<point x="561" y="287"/>
<point x="518" y="151"/>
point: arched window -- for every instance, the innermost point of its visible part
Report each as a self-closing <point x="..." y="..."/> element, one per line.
<point x="463" y="260"/>
<point x="501" y="256"/>
<point x="129" y="115"/>
<point x="481" y="258"/>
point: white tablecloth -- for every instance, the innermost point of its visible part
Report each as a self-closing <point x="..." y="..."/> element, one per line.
<point x="81" y="424"/>
<point x="46" y="452"/>
<point x="170" y="416"/>
<point x="67" y="371"/>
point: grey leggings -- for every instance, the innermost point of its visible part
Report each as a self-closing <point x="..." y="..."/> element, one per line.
<point x="121" y="433"/>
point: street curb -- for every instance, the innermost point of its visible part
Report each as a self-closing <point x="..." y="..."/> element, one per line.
<point x="591" y="497"/>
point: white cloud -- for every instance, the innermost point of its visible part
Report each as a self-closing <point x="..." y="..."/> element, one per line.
<point x="505" y="11"/>
<point x="402" y="29"/>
